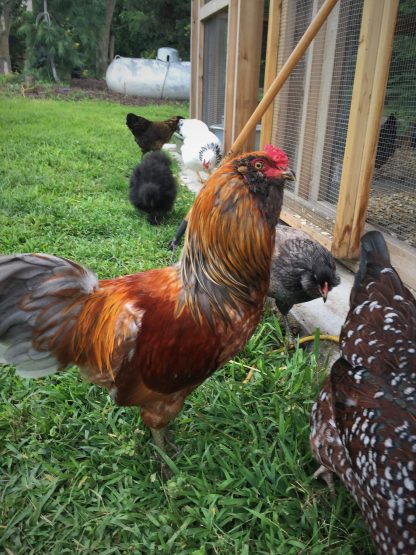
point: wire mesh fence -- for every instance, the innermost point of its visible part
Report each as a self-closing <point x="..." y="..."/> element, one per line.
<point x="215" y="62"/>
<point x="311" y="111"/>
<point x="392" y="203"/>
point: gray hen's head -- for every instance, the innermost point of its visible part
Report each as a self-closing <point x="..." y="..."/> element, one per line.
<point x="321" y="277"/>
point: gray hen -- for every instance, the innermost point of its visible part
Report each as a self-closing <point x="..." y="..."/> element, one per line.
<point x="302" y="270"/>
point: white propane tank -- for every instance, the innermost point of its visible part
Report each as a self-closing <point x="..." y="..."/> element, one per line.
<point x="165" y="77"/>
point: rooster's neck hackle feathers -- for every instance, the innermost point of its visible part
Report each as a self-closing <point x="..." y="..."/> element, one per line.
<point x="228" y="245"/>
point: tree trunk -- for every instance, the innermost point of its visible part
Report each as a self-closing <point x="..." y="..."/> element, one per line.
<point x="5" y="23"/>
<point x="103" y="44"/>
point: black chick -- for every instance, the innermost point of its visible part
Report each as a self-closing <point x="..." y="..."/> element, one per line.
<point x="152" y="187"/>
<point x="151" y="135"/>
<point x="363" y="425"/>
<point x="386" y="141"/>
<point x="301" y="270"/>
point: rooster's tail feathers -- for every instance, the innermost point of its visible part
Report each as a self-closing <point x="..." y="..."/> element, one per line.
<point x="40" y="298"/>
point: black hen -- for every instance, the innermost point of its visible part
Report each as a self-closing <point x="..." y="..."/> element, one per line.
<point x="364" y="422"/>
<point x="386" y="141"/>
<point x="302" y="270"/>
<point x="151" y="135"/>
<point x="152" y="187"/>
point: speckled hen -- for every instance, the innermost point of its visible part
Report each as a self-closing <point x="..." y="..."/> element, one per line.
<point x="364" y="422"/>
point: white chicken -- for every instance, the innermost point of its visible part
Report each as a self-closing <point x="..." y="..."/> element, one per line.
<point x="201" y="149"/>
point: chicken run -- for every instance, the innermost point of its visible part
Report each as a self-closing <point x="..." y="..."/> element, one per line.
<point x="151" y="338"/>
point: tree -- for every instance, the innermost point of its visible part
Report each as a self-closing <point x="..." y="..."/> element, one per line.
<point x="104" y="42"/>
<point x="141" y="27"/>
<point x="7" y="7"/>
<point x="69" y="35"/>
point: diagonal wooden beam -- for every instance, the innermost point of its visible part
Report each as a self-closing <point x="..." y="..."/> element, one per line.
<point x="283" y="74"/>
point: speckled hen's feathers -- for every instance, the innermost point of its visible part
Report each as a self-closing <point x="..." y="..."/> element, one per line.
<point x="364" y="422"/>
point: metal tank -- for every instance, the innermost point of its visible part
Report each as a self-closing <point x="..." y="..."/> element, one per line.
<point x="165" y="77"/>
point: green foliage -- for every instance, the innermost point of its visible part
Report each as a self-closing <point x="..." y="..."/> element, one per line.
<point x="70" y="39"/>
<point x="16" y="40"/>
<point x="141" y="27"/>
<point x="401" y="86"/>
<point x="78" y="474"/>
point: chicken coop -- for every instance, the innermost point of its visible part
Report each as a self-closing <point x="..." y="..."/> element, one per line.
<point x="346" y="114"/>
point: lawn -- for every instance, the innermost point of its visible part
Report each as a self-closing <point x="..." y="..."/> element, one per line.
<point x="77" y="473"/>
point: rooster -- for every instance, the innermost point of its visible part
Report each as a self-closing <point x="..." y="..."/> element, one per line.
<point x="364" y="422"/>
<point x="153" y="337"/>
<point x="302" y="269"/>
<point x="151" y="135"/>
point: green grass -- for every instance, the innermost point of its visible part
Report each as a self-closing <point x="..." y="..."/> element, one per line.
<point x="77" y="473"/>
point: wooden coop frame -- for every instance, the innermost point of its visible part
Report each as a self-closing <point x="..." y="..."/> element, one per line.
<point x="242" y="111"/>
<point x="243" y="56"/>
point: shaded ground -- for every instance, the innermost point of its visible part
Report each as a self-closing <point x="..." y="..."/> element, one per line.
<point x="97" y="88"/>
<point x="392" y="203"/>
<point x="80" y="89"/>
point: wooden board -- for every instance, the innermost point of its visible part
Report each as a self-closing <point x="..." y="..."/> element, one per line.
<point x="270" y="71"/>
<point x="373" y="60"/>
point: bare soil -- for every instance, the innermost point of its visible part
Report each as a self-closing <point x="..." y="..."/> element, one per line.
<point x="96" y="89"/>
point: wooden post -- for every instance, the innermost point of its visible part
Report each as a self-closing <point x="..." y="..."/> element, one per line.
<point x="194" y="108"/>
<point x="243" y="67"/>
<point x="282" y="76"/>
<point x="372" y="69"/>
<point x="230" y="73"/>
<point x="273" y="33"/>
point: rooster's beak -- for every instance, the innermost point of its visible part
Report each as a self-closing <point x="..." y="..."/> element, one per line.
<point x="289" y="175"/>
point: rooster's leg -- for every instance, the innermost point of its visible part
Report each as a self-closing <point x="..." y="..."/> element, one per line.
<point x="159" y="439"/>
<point x="163" y="438"/>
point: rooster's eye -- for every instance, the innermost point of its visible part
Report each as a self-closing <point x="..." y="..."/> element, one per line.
<point x="258" y="165"/>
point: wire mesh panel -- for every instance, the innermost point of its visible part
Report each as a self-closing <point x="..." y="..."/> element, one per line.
<point x="312" y="109"/>
<point x="215" y="61"/>
<point x="392" y="203"/>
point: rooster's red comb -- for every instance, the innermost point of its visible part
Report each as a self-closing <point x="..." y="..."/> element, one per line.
<point x="277" y="155"/>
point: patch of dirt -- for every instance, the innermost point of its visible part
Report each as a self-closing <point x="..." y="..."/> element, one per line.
<point x="396" y="213"/>
<point x="401" y="166"/>
<point x="392" y="203"/>
<point x="95" y="89"/>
